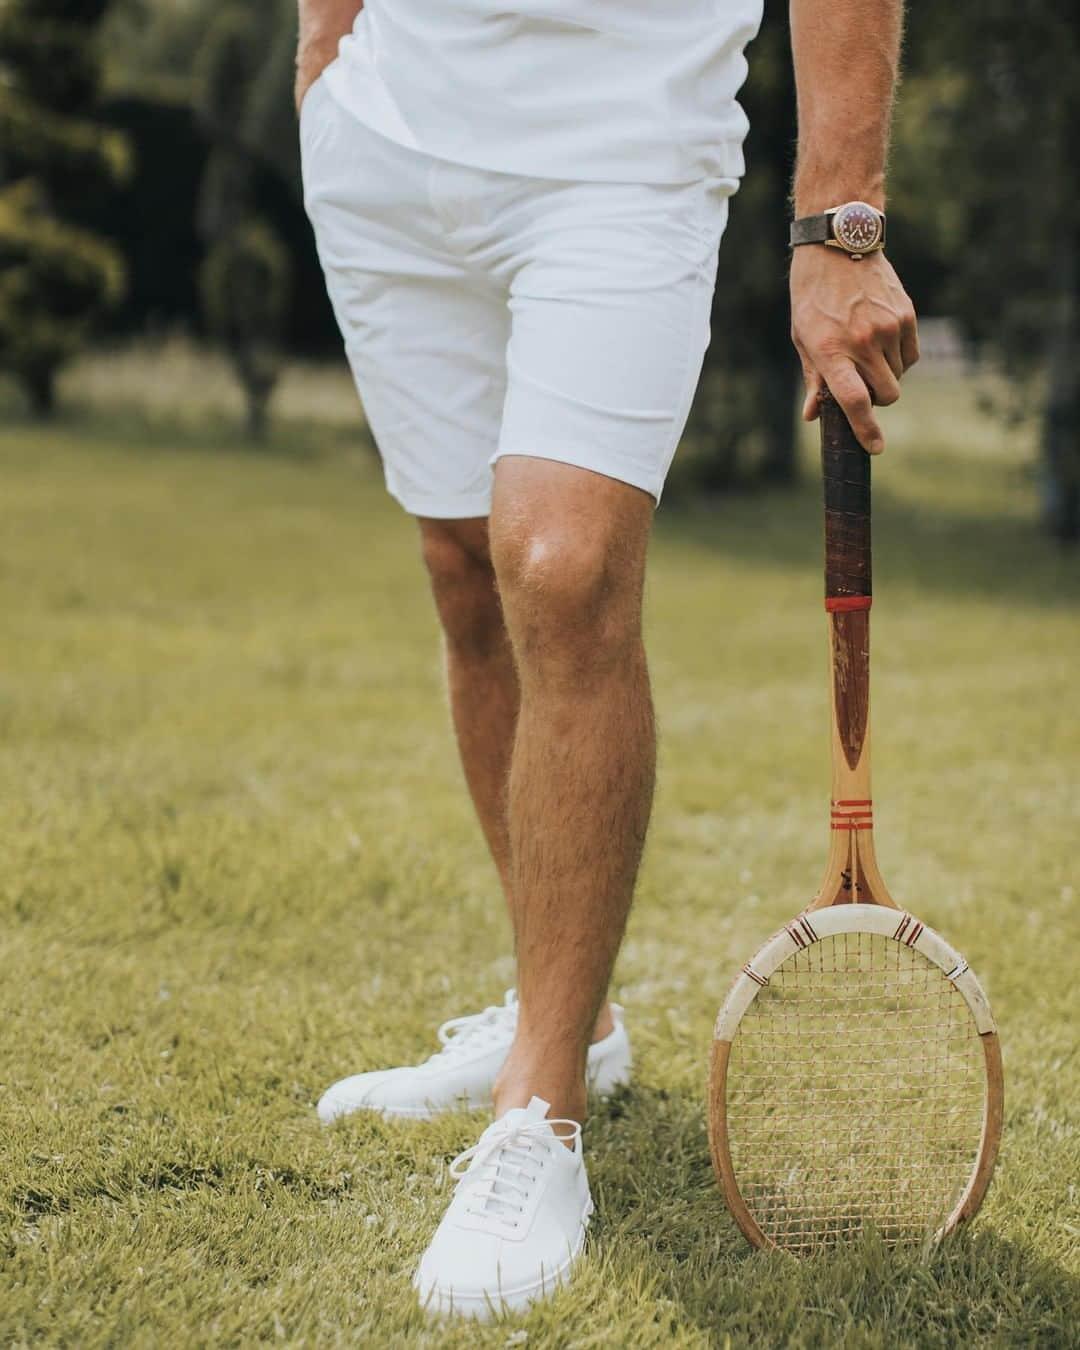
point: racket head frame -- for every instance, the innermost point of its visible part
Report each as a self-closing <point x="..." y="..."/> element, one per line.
<point x="813" y="926"/>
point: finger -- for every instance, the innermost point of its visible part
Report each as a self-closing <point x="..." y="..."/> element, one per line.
<point x="881" y="378"/>
<point x="850" y="390"/>
<point x="909" y="339"/>
<point x="890" y="350"/>
<point x="812" y="403"/>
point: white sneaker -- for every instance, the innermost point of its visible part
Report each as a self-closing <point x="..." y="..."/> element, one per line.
<point x="516" y="1224"/>
<point x="462" y="1074"/>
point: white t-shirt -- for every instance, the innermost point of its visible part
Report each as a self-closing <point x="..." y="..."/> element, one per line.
<point x="609" y="90"/>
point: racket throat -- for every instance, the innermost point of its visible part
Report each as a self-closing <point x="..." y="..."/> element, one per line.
<point x="851" y="875"/>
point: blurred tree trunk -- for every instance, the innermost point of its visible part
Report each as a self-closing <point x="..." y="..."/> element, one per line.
<point x="246" y="277"/>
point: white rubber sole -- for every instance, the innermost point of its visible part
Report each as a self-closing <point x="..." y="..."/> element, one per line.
<point x="599" y="1082"/>
<point x="418" y="1112"/>
<point x="430" y="1112"/>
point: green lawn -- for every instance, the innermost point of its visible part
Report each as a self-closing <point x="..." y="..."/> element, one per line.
<point x="238" y="862"/>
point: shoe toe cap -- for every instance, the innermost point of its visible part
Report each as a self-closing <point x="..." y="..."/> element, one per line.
<point x="470" y="1272"/>
<point x="464" y="1278"/>
<point x="360" y="1092"/>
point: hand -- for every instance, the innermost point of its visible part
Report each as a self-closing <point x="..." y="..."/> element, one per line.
<point x="322" y="25"/>
<point x="311" y="60"/>
<point x="854" y="328"/>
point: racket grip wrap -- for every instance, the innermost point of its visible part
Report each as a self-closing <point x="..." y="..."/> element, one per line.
<point x="846" y="472"/>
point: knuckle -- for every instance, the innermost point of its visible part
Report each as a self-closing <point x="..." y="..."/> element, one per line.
<point x="856" y="401"/>
<point x="844" y="383"/>
<point x="830" y="347"/>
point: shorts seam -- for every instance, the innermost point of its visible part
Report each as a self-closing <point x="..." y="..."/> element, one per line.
<point x="694" y="368"/>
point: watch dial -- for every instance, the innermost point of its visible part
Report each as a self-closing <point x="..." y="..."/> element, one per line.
<point x="857" y="227"/>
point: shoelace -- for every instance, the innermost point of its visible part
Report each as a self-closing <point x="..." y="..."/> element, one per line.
<point x="471" y="1032"/>
<point x="502" y="1168"/>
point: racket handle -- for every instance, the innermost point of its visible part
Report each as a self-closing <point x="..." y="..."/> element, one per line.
<point x="846" y="468"/>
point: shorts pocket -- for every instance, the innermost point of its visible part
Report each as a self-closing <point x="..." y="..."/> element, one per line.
<point x="714" y="197"/>
<point x="316" y="90"/>
<point x="316" y="130"/>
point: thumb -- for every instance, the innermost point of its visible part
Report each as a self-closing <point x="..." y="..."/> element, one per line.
<point x="812" y="402"/>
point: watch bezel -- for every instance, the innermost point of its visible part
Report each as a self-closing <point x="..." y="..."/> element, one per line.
<point x="835" y="242"/>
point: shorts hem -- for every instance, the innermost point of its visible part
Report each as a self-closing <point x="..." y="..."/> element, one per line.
<point x="443" y="508"/>
<point x="577" y="460"/>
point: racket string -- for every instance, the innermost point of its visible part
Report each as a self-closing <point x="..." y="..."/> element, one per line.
<point x="855" y="1094"/>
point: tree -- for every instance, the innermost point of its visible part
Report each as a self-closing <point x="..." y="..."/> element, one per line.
<point x="987" y="152"/>
<point x="246" y="276"/>
<point x="56" y="279"/>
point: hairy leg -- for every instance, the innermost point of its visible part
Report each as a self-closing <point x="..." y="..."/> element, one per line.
<point x="480" y="672"/>
<point x="482" y="681"/>
<point x="569" y="552"/>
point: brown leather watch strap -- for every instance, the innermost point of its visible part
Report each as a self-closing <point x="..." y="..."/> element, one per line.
<point x="811" y="230"/>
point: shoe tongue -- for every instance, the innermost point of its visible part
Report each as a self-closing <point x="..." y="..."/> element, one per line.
<point x="503" y="1197"/>
<point x="532" y="1114"/>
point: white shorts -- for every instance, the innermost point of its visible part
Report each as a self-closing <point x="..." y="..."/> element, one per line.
<point x="488" y="314"/>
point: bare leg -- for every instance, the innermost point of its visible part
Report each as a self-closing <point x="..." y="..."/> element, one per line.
<point x="480" y="670"/>
<point x="569" y="551"/>
<point x="482" y="680"/>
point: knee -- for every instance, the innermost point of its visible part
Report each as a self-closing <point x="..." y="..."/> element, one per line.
<point x="458" y="561"/>
<point x="572" y="597"/>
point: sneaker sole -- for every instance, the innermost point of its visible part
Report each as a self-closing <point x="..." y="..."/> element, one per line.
<point x="431" y="1112"/>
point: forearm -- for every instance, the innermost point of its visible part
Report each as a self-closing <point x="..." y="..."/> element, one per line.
<point x="323" y="23"/>
<point x="847" y="57"/>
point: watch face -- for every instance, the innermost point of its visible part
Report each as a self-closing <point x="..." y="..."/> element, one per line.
<point x="857" y="227"/>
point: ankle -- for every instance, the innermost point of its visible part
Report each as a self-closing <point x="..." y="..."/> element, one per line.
<point x="516" y="1086"/>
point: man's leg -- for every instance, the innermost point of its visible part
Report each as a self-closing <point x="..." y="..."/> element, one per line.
<point x="480" y="670"/>
<point x="569" y="553"/>
<point x="482" y="681"/>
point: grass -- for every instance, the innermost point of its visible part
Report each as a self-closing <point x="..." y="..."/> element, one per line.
<point x="238" y="862"/>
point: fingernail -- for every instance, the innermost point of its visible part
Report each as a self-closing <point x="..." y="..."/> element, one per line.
<point x="876" y="447"/>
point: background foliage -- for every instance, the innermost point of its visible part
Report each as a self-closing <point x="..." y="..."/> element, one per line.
<point x="982" y="227"/>
<point x="989" y="138"/>
<point x="55" y="278"/>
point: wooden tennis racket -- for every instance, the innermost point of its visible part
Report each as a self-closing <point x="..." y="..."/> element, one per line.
<point x="856" y="1072"/>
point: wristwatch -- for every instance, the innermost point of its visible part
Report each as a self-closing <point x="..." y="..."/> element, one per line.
<point x="856" y="227"/>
